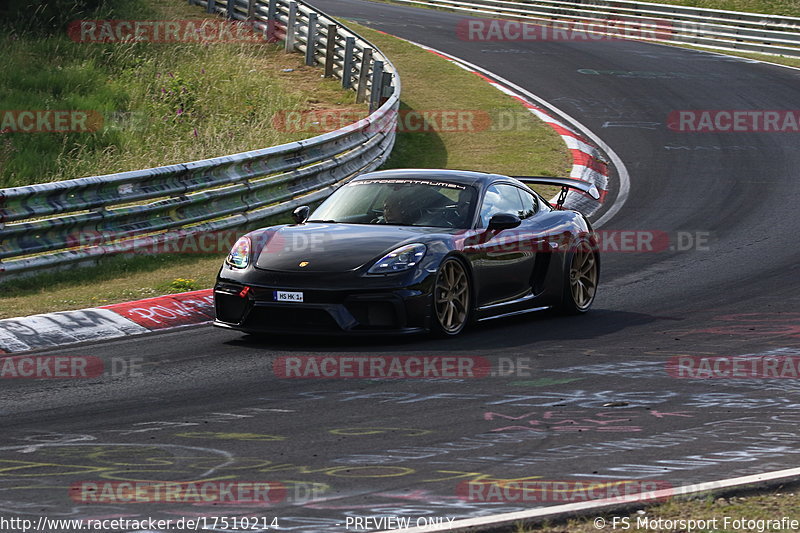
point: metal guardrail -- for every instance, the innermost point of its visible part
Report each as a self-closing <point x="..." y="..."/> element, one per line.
<point x="48" y="225"/>
<point x="711" y="28"/>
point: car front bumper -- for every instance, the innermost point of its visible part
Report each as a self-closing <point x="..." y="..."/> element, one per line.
<point x="322" y="311"/>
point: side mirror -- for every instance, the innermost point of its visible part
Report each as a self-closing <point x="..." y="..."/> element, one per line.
<point x="301" y="214"/>
<point x="502" y="221"/>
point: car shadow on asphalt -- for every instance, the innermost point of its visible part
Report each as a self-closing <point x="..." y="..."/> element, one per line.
<point x="518" y="331"/>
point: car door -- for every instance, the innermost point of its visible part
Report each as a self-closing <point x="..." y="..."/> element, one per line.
<point x="504" y="259"/>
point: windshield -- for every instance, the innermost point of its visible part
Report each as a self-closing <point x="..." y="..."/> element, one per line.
<point x="400" y="202"/>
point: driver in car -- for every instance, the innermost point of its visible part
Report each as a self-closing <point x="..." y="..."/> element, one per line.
<point x="395" y="211"/>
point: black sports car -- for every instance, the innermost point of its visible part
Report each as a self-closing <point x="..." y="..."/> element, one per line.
<point x="404" y="251"/>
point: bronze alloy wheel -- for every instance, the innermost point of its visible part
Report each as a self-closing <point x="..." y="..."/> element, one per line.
<point x="583" y="276"/>
<point x="451" y="297"/>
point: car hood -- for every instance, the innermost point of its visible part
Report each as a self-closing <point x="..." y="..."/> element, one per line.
<point x="324" y="247"/>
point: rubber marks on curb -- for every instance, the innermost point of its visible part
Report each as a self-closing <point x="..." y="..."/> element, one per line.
<point x="587" y="162"/>
<point x="65" y="327"/>
<point x="107" y="322"/>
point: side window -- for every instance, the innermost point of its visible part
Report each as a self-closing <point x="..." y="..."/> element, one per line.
<point x="529" y="204"/>
<point x="500" y="198"/>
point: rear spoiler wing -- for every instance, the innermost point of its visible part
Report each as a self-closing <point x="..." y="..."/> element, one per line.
<point x="564" y="183"/>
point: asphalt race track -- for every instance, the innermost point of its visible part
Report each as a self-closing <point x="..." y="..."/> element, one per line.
<point x="588" y="398"/>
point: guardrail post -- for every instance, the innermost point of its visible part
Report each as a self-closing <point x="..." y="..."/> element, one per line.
<point x="311" y="39"/>
<point x="347" y="67"/>
<point x="290" y="27"/>
<point x="251" y="9"/>
<point x="363" y="72"/>
<point x="272" y="22"/>
<point x="230" y="11"/>
<point x="385" y="84"/>
<point x="330" y="50"/>
<point x="211" y="6"/>
<point x="377" y="85"/>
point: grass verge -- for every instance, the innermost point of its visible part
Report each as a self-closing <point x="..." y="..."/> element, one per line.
<point x="789" y="8"/>
<point x="118" y="279"/>
<point x="757" y="510"/>
<point x="513" y="141"/>
<point x="154" y="103"/>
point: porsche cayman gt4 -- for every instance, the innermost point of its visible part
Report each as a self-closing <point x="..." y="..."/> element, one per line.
<point x="404" y="251"/>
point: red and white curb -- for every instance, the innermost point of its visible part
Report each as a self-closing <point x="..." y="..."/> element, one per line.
<point x="106" y="322"/>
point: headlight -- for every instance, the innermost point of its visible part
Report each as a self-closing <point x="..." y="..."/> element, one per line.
<point x="240" y="253"/>
<point x="403" y="258"/>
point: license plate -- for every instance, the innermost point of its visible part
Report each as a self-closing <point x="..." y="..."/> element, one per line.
<point x="286" y="296"/>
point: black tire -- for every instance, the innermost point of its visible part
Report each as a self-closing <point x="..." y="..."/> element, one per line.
<point x="452" y="298"/>
<point x="581" y="277"/>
